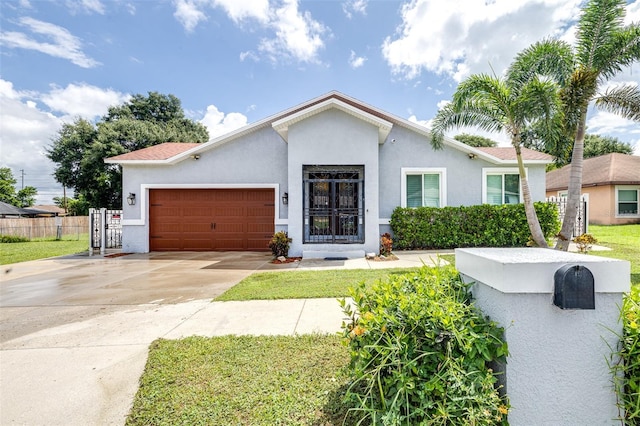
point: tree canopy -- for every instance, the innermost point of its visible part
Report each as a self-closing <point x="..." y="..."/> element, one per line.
<point x="25" y="197"/>
<point x="79" y="149"/>
<point x="475" y="140"/>
<point x="596" y="145"/>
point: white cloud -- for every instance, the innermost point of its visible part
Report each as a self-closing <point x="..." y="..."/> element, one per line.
<point x="63" y="44"/>
<point x="356" y="61"/>
<point x="82" y="100"/>
<point x="297" y="34"/>
<point x="250" y="55"/>
<point x="218" y="123"/>
<point x="354" y="6"/>
<point x="86" y="6"/>
<point x="25" y="134"/>
<point x="188" y="14"/>
<point x="461" y="37"/>
<point x="293" y="33"/>
<point x="604" y="123"/>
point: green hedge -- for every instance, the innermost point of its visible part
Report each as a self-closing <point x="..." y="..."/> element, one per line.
<point x="469" y="226"/>
<point x="420" y="353"/>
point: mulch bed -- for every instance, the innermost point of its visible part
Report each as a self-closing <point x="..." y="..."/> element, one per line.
<point x="385" y="258"/>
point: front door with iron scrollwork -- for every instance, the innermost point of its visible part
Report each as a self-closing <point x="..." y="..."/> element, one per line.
<point x="333" y="204"/>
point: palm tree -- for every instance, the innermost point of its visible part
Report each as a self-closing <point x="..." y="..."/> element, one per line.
<point x="603" y="47"/>
<point x="504" y="104"/>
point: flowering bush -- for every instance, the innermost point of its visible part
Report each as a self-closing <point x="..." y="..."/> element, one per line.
<point x="420" y="351"/>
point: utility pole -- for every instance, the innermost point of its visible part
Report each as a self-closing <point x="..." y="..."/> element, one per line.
<point x="22" y="172"/>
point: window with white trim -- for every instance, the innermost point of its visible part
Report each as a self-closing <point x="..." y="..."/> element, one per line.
<point x="627" y="199"/>
<point x="501" y="186"/>
<point x="423" y="187"/>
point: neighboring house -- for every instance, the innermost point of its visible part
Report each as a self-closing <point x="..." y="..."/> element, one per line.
<point x="612" y="182"/>
<point x="329" y="171"/>
<point x="11" y="211"/>
<point x="51" y="208"/>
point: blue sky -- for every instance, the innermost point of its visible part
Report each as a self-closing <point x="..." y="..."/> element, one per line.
<point x="233" y="62"/>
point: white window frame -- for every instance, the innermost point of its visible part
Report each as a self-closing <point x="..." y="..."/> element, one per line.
<point x="627" y="188"/>
<point x="405" y="171"/>
<point x="500" y="171"/>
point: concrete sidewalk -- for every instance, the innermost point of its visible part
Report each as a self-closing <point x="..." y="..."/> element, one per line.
<point x="87" y="372"/>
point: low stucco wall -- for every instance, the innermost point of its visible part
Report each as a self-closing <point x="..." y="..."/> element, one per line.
<point x="557" y="371"/>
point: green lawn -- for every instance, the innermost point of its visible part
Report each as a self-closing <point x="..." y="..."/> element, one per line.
<point x="624" y="240"/>
<point x="242" y="380"/>
<point x="40" y="249"/>
<point x="305" y="284"/>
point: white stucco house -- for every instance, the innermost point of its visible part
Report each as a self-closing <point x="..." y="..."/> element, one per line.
<point x="329" y="171"/>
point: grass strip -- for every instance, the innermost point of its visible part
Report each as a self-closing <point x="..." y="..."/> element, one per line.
<point x="242" y="380"/>
<point x="40" y="249"/>
<point x="305" y="284"/>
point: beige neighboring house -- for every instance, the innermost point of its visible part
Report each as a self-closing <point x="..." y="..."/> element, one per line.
<point x="612" y="184"/>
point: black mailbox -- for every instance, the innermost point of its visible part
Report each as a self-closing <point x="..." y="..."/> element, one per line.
<point x="573" y="288"/>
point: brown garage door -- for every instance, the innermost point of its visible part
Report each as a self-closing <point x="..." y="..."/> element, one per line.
<point x="210" y="219"/>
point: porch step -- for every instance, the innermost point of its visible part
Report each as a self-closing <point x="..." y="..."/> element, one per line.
<point x="333" y="254"/>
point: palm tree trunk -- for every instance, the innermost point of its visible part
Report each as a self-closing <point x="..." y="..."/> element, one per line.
<point x="532" y="218"/>
<point x="574" y="190"/>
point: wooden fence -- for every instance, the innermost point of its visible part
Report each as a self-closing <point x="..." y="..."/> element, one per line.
<point x="44" y="227"/>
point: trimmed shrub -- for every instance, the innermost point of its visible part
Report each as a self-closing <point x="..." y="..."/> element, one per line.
<point x="469" y="226"/>
<point x="420" y="351"/>
<point x="279" y="244"/>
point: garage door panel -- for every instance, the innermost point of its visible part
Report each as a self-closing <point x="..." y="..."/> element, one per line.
<point x="182" y="219"/>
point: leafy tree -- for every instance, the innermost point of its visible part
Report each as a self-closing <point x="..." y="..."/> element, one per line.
<point x="604" y="46"/>
<point x="504" y="104"/>
<point x="7" y="186"/>
<point x="25" y="197"/>
<point x="596" y="145"/>
<point x="475" y="140"/>
<point x="80" y="148"/>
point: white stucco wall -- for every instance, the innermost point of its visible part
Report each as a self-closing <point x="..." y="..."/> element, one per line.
<point x="556" y="371"/>
<point x="256" y="160"/>
<point x="464" y="175"/>
<point x="328" y="138"/>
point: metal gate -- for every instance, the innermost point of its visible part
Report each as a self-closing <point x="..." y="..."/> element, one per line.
<point x="105" y="230"/>
<point x="582" y="219"/>
<point x="334" y="204"/>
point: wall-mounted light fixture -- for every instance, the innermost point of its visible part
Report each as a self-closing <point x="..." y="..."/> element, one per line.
<point x="285" y="198"/>
<point x="131" y="199"/>
<point x="196" y="156"/>
<point x="472" y="155"/>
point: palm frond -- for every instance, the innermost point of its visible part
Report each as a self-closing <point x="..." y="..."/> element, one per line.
<point x="622" y="100"/>
<point x="552" y="58"/>
<point x="600" y="19"/>
<point x="473" y="114"/>
<point x="624" y="50"/>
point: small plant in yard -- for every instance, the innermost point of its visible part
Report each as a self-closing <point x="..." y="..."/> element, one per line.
<point x="627" y="369"/>
<point x="386" y="244"/>
<point x="279" y="244"/>
<point x="585" y="242"/>
<point x="420" y="351"/>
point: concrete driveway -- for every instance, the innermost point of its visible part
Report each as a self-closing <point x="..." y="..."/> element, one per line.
<point x="75" y="331"/>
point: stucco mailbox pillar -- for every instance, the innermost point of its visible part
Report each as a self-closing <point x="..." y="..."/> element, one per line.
<point x="557" y="371"/>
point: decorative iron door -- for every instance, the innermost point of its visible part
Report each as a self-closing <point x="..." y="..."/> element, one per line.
<point x="333" y="204"/>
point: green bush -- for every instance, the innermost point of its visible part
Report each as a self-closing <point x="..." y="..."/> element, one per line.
<point x="420" y="351"/>
<point x="469" y="226"/>
<point x="628" y="367"/>
<point x="279" y="244"/>
<point x="13" y="239"/>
